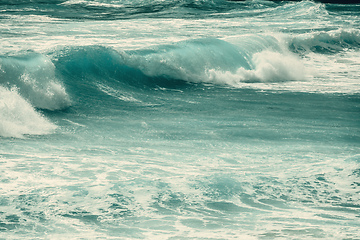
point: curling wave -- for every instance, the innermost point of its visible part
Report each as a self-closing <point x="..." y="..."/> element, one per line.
<point x="33" y="75"/>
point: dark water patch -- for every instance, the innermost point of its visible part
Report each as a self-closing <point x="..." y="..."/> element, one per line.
<point x="275" y="203"/>
<point x="121" y="206"/>
<point x="221" y="187"/>
<point x="169" y="202"/>
<point x="227" y="207"/>
<point x="250" y="201"/>
<point x="308" y="232"/>
<point x="7" y="226"/>
<point x="32" y="2"/>
<point x="83" y="216"/>
<point x="343" y="9"/>
<point x="344" y="209"/>
<point x="333" y="217"/>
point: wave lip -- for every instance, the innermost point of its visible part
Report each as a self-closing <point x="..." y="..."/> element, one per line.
<point x="19" y="118"/>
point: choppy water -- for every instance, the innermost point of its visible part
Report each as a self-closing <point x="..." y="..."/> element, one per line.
<point x="179" y="119"/>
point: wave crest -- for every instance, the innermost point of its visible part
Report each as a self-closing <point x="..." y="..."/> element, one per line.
<point x="269" y="67"/>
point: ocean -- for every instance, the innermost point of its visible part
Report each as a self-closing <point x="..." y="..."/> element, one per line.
<point x="179" y="119"/>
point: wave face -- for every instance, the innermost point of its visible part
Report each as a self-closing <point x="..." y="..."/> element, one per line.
<point x="179" y="119"/>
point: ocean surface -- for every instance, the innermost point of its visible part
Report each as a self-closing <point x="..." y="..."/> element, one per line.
<point x="179" y="119"/>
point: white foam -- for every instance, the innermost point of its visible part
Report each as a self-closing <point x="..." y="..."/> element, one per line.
<point x="269" y="67"/>
<point x="18" y="117"/>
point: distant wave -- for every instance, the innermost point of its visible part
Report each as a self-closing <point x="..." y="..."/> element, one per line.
<point x="326" y="42"/>
<point x="124" y="9"/>
<point x="120" y="9"/>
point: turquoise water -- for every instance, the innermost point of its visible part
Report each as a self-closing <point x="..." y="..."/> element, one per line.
<point x="186" y="119"/>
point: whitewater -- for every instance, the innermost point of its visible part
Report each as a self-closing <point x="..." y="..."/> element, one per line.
<point x="179" y="119"/>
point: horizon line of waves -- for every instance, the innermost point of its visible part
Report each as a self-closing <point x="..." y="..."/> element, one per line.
<point x="19" y="118"/>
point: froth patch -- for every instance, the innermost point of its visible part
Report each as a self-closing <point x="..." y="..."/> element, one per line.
<point x="18" y="117"/>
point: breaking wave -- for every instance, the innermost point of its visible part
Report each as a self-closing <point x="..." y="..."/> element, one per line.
<point x="252" y="59"/>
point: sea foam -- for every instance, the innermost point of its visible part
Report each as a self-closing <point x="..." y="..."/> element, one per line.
<point x="18" y="117"/>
